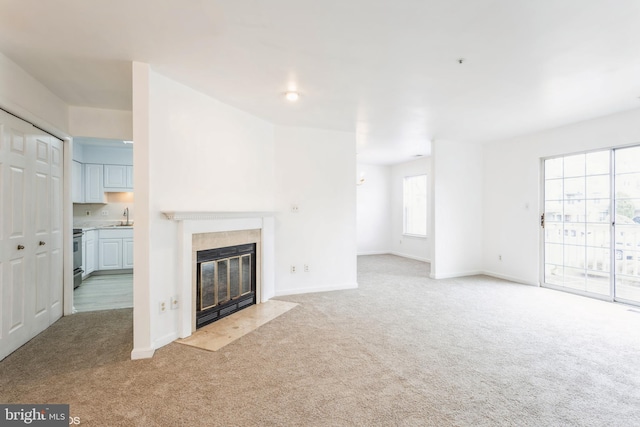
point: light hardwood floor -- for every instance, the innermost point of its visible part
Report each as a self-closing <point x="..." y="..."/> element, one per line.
<point x="104" y="292"/>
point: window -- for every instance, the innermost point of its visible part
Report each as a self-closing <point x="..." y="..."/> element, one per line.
<point x="415" y="205"/>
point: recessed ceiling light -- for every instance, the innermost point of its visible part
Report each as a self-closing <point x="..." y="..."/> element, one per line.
<point x="292" y="96"/>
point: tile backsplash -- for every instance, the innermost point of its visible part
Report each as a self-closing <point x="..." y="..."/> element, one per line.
<point x="110" y="213"/>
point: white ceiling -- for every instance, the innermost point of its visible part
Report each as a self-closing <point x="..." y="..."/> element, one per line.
<point x="387" y="70"/>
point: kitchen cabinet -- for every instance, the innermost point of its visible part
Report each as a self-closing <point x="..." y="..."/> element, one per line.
<point x="115" y="248"/>
<point x="93" y="188"/>
<point x="89" y="252"/>
<point x="84" y="258"/>
<point x="130" y="177"/>
<point x="77" y="184"/>
<point x="127" y="253"/>
<point x="110" y="254"/>
<point x="98" y="170"/>
<point x="118" y="178"/>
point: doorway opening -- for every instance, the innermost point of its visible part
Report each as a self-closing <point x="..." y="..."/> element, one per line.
<point x="104" y="211"/>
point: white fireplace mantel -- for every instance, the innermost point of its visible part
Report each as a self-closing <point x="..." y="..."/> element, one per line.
<point x="190" y="223"/>
<point x="196" y="215"/>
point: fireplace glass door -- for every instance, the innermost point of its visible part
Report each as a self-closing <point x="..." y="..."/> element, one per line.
<point x="226" y="282"/>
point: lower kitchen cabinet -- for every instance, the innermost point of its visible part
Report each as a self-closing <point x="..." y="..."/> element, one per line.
<point x="89" y="252"/>
<point x="127" y="253"/>
<point x="115" y="249"/>
<point x="110" y="254"/>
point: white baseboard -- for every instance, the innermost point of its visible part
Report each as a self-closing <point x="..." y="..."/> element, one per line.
<point x="296" y="291"/>
<point x="147" y="353"/>
<point x="410" y="257"/>
<point x="454" y="275"/>
<point x="167" y="339"/>
<point x="510" y="278"/>
<point x="142" y="353"/>
<point x="396" y="254"/>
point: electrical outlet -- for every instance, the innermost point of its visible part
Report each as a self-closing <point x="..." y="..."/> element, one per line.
<point x="174" y="302"/>
<point x="162" y="307"/>
<point x="293" y="268"/>
<point x="295" y="208"/>
<point x="105" y="212"/>
<point x="306" y="268"/>
<point x="499" y="257"/>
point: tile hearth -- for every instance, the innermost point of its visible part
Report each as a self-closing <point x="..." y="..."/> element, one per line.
<point x="224" y="331"/>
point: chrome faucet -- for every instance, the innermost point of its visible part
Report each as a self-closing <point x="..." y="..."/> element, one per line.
<point x="126" y="213"/>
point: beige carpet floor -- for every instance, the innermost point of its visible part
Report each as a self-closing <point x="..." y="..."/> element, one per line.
<point x="401" y="350"/>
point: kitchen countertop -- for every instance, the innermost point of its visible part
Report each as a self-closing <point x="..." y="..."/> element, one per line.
<point x="87" y="227"/>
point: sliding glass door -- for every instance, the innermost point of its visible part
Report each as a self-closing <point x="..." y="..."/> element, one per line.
<point x="588" y="228"/>
<point x="627" y="224"/>
<point x="577" y="230"/>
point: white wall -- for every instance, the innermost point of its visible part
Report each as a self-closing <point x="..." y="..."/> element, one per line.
<point x="512" y="182"/>
<point x="24" y="96"/>
<point x="143" y="336"/>
<point x="100" y="123"/>
<point x="408" y="246"/>
<point x="457" y="209"/>
<point x="192" y="154"/>
<point x="315" y="170"/>
<point x="207" y="155"/>
<point x="374" y="209"/>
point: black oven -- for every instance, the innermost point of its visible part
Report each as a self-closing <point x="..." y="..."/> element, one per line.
<point x="77" y="257"/>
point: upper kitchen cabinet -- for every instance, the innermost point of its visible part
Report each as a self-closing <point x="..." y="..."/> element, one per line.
<point x="118" y="178"/>
<point x="77" y="182"/>
<point x="93" y="190"/>
<point x="100" y="166"/>
<point x="130" y="177"/>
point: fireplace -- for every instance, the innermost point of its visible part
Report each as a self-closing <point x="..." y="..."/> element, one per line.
<point x="225" y="281"/>
<point x="198" y="231"/>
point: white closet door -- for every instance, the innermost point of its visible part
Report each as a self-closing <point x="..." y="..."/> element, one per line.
<point x="56" y="237"/>
<point x="30" y="271"/>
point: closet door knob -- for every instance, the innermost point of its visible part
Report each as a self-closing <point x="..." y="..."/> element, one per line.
<point x="20" y="247"/>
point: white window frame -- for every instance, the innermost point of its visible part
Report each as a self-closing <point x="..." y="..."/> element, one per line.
<point x="405" y="206"/>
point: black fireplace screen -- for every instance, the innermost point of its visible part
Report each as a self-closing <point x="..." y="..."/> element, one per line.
<point x="226" y="281"/>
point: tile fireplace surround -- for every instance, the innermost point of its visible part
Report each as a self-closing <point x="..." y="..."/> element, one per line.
<point x="203" y="230"/>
